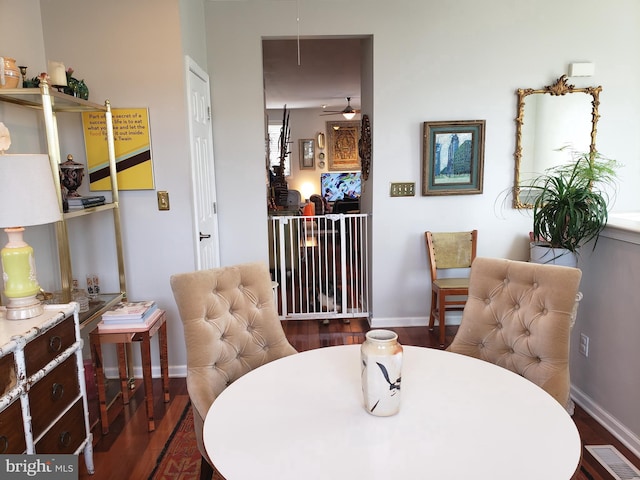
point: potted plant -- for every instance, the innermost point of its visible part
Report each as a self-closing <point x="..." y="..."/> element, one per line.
<point x="571" y="207"/>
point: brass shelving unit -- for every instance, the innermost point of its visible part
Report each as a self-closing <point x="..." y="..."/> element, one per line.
<point x="50" y="102"/>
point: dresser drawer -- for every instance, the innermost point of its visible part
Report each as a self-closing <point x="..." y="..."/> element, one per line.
<point x="49" y="397"/>
<point x="7" y="373"/>
<point x="47" y="346"/>
<point x="12" y="430"/>
<point x="66" y="435"/>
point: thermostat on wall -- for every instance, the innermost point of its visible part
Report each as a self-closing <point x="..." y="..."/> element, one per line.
<point x="583" y="69"/>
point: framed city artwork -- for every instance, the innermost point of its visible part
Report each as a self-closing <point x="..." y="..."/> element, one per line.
<point x="453" y="157"/>
<point x="342" y="145"/>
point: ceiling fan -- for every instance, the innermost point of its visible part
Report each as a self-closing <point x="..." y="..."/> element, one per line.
<point x="348" y="112"/>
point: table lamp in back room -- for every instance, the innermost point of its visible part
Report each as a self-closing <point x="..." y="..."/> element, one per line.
<point x="27" y="197"/>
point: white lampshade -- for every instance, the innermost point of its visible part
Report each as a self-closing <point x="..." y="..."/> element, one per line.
<point x="27" y="192"/>
<point x="348" y="112"/>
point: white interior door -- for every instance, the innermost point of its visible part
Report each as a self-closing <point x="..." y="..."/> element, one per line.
<point x="207" y="246"/>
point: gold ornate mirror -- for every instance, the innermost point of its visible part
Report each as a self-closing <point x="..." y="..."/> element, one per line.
<point x="551" y="124"/>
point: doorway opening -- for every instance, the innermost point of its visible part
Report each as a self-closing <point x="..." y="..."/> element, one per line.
<point x="307" y="86"/>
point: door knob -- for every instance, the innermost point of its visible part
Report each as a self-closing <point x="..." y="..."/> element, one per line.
<point x="203" y="236"/>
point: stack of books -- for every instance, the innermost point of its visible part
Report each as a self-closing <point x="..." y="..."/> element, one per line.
<point x="131" y="316"/>
<point x="78" y="203"/>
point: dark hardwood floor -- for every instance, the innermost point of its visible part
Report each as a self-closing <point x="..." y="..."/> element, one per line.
<point x="129" y="451"/>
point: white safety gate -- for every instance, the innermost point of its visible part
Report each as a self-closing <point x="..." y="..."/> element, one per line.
<point x="320" y="265"/>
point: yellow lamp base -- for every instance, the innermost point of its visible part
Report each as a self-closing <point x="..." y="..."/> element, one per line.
<point x="19" y="274"/>
<point x="23" y="308"/>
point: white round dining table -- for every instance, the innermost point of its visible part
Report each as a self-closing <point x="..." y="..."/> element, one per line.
<point x="302" y="418"/>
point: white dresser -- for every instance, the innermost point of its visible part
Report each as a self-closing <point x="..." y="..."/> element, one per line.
<point x="43" y="400"/>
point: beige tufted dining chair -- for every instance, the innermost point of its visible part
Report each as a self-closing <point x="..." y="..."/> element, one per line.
<point x="231" y="326"/>
<point x="519" y="316"/>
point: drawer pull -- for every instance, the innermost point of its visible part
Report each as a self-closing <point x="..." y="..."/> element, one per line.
<point x="65" y="439"/>
<point x="4" y="444"/>
<point x="55" y="344"/>
<point x="57" y="391"/>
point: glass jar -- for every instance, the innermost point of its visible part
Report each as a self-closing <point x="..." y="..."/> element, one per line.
<point x="80" y="296"/>
<point x="381" y="361"/>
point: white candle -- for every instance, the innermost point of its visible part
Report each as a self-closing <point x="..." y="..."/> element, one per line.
<point x="57" y="73"/>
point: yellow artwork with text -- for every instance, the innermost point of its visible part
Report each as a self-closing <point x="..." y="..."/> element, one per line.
<point x="132" y="143"/>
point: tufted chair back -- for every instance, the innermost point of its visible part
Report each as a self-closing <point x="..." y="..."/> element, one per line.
<point x="231" y="326"/>
<point x="519" y="316"/>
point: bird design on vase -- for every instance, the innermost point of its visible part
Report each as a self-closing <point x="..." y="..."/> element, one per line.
<point x="394" y="387"/>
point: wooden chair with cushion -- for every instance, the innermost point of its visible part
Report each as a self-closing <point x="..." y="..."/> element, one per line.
<point x="519" y="316"/>
<point x="447" y="251"/>
<point x="231" y="326"/>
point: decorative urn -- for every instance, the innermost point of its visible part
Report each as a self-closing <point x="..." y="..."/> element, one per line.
<point x="71" y="175"/>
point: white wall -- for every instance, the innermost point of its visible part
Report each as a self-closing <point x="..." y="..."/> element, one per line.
<point x="131" y="53"/>
<point x="432" y="61"/>
<point x="606" y="381"/>
<point x="193" y="31"/>
<point x="134" y="60"/>
<point x="21" y="34"/>
<point x="21" y="38"/>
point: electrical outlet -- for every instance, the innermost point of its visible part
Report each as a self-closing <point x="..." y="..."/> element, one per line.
<point x="584" y="345"/>
<point x="403" y="189"/>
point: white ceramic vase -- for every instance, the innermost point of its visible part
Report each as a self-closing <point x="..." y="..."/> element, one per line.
<point x="543" y="253"/>
<point x="381" y="359"/>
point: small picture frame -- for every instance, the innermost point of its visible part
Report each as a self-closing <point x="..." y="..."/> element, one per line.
<point x="307" y="153"/>
<point x="453" y="157"/>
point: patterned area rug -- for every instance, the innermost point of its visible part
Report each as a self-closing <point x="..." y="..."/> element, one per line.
<point x="180" y="458"/>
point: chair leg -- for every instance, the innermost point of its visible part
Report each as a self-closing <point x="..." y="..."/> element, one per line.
<point x="441" y="322"/>
<point x="206" y="470"/>
<point x="432" y="310"/>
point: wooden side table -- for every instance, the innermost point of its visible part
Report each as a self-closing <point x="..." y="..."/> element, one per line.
<point x="124" y="336"/>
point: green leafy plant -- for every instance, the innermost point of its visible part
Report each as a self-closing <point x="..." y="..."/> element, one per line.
<point x="75" y="87"/>
<point x="572" y="200"/>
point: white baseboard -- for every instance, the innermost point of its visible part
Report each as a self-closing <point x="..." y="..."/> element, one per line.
<point x="617" y="429"/>
<point x="453" y="318"/>
<point x="389" y="322"/>
<point x="175" y="371"/>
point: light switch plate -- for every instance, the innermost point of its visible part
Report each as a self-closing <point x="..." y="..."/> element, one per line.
<point x="403" y="189"/>
<point x="163" y="200"/>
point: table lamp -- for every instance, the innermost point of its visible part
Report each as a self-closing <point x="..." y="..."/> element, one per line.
<point x="27" y="197"/>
